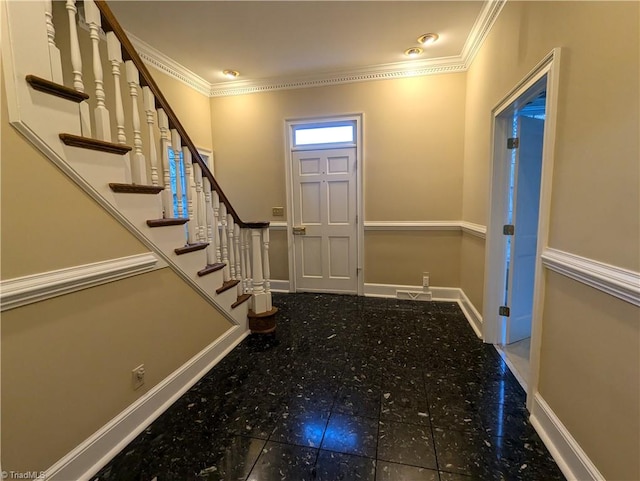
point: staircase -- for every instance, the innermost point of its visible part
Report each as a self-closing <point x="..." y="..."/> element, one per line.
<point x="97" y="140"/>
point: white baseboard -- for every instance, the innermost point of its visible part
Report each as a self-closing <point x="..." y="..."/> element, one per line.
<point x="436" y="294"/>
<point x="279" y="286"/>
<point x="96" y="451"/>
<point x="571" y="459"/>
<point x="471" y="313"/>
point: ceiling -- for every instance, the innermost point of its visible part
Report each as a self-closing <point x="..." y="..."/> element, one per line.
<point x="274" y="42"/>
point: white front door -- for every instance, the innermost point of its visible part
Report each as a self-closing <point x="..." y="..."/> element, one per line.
<point x="324" y="220"/>
<point x="526" y="203"/>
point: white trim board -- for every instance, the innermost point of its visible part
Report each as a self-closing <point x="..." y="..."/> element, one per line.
<point x="457" y="63"/>
<point x="96" y="451"/>
<point x="454" y="225"/>
<point x="571" y="458"/>
<point x="435" y="294"/>
<point x="616" y="281"/>
<point x="45" y="285"/>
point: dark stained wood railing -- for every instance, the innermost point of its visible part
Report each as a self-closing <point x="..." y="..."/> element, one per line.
<point x="111" y="24"/>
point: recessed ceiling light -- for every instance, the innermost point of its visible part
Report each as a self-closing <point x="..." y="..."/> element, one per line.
<point x="231" y="73"/>
<point x="413" y="52"/>
<point x="428" y="38"/>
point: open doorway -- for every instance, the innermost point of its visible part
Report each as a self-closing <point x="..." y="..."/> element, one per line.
<point x="527" y="118"/>
<point x="518" y="224"/>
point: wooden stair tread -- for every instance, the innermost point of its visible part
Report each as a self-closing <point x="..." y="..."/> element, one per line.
<point x="166" y="222"/>
<point x="135" y="188"/>
<point x="211" y="268"/>
<point x="49" y="87"/>
<point x="227" y="285"/>
<point x="240" y="300"/>
<point x="198" y="246"/>
<point x="94" y="144"/>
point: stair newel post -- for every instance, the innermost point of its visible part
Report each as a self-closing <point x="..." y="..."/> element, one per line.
<point x="114" y="53"/>
<point x="211" y="227"/>
<point x="231" y="247"/>
<point x="223" y="242"/>
<point x="215" y="199"/>
<point x="176" y="145"/>
<point x="149" y="108"/>
<point x="266" y="267"/>
<point x="54" y="53"/>
<point x="138" y="168"/>
<point x="165" y="145"/>
<point x="240" y="271"/>
<point x="190" y="210"/>
<point x="201" y="210"/>
<point x="76" y="66"/>
<point x="259" y="296"/>
<point x="246" y="243"/>
<point x="101" y="114"/>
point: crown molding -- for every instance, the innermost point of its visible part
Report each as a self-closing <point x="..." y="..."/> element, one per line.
<point x="480" y="30"/>
<point x="458" y="63"/>
<point x="155" y="58"/>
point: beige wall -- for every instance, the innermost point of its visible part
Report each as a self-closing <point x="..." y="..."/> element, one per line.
<point x="67" y="361"/>
<point x="472" y="269"/>
<point x="589" y="358"/>
<point x="595" y="181"/>
<point x="590" y="373"/>
<point x="412" y="158"/>
<point x="44" y="216"/>
<point x="191" y="107"/>
<point x="402" y="257"/>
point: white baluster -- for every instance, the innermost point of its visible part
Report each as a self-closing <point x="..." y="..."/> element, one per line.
<point x="266" y="268"/>
<point x="211" y="226"/>
<point x="190" y="210"/>
<point x="54" y="52"/>
<point x="176" y="145"/>
<point x="226" y="272"/>
<point x="150" y="108"/>
<point x="114" y="53"/>
<point x="259" y="296"/>
<point x="231" y="247"/>
<point x="165" y="145"/>
<point x="103" y="124"/>
<point x="138" y="168"/>
<point x="216" y="222"/>
<point x="76" y="66"/>
<point x="247" y="258"/>
<point x="239" y="270"/>
<point x="201" y="209"/>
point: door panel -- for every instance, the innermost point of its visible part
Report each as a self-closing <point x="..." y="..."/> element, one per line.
<point x="324" y="186"/>
<point x="524" y="243"/>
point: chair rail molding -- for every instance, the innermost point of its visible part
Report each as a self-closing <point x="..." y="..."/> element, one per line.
<point x="21" y="291"/>
<point x="616" y="281"/>
<point x="460" y="225"/>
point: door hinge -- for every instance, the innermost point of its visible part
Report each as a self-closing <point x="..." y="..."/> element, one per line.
<point x="513" y="143"/>
<point x="504" y="311"/>
<point x="508" y="229"/>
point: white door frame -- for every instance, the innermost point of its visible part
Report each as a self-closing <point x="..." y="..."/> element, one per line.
<point x="495" y="248"/>
<point x="290" y="124"/>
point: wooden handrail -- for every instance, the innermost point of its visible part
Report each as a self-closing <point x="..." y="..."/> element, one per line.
<point x="111" y="24"/>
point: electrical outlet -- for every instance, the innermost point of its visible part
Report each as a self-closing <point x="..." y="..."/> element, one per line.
<point x="277" y="211"/>
<point x="425" y="279"/>
<point x="137" y="376"/>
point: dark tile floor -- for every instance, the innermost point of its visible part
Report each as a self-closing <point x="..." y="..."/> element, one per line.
<point x="348" y="388"/>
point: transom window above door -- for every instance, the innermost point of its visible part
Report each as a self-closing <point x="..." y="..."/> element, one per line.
<point x="324" y="135"/>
